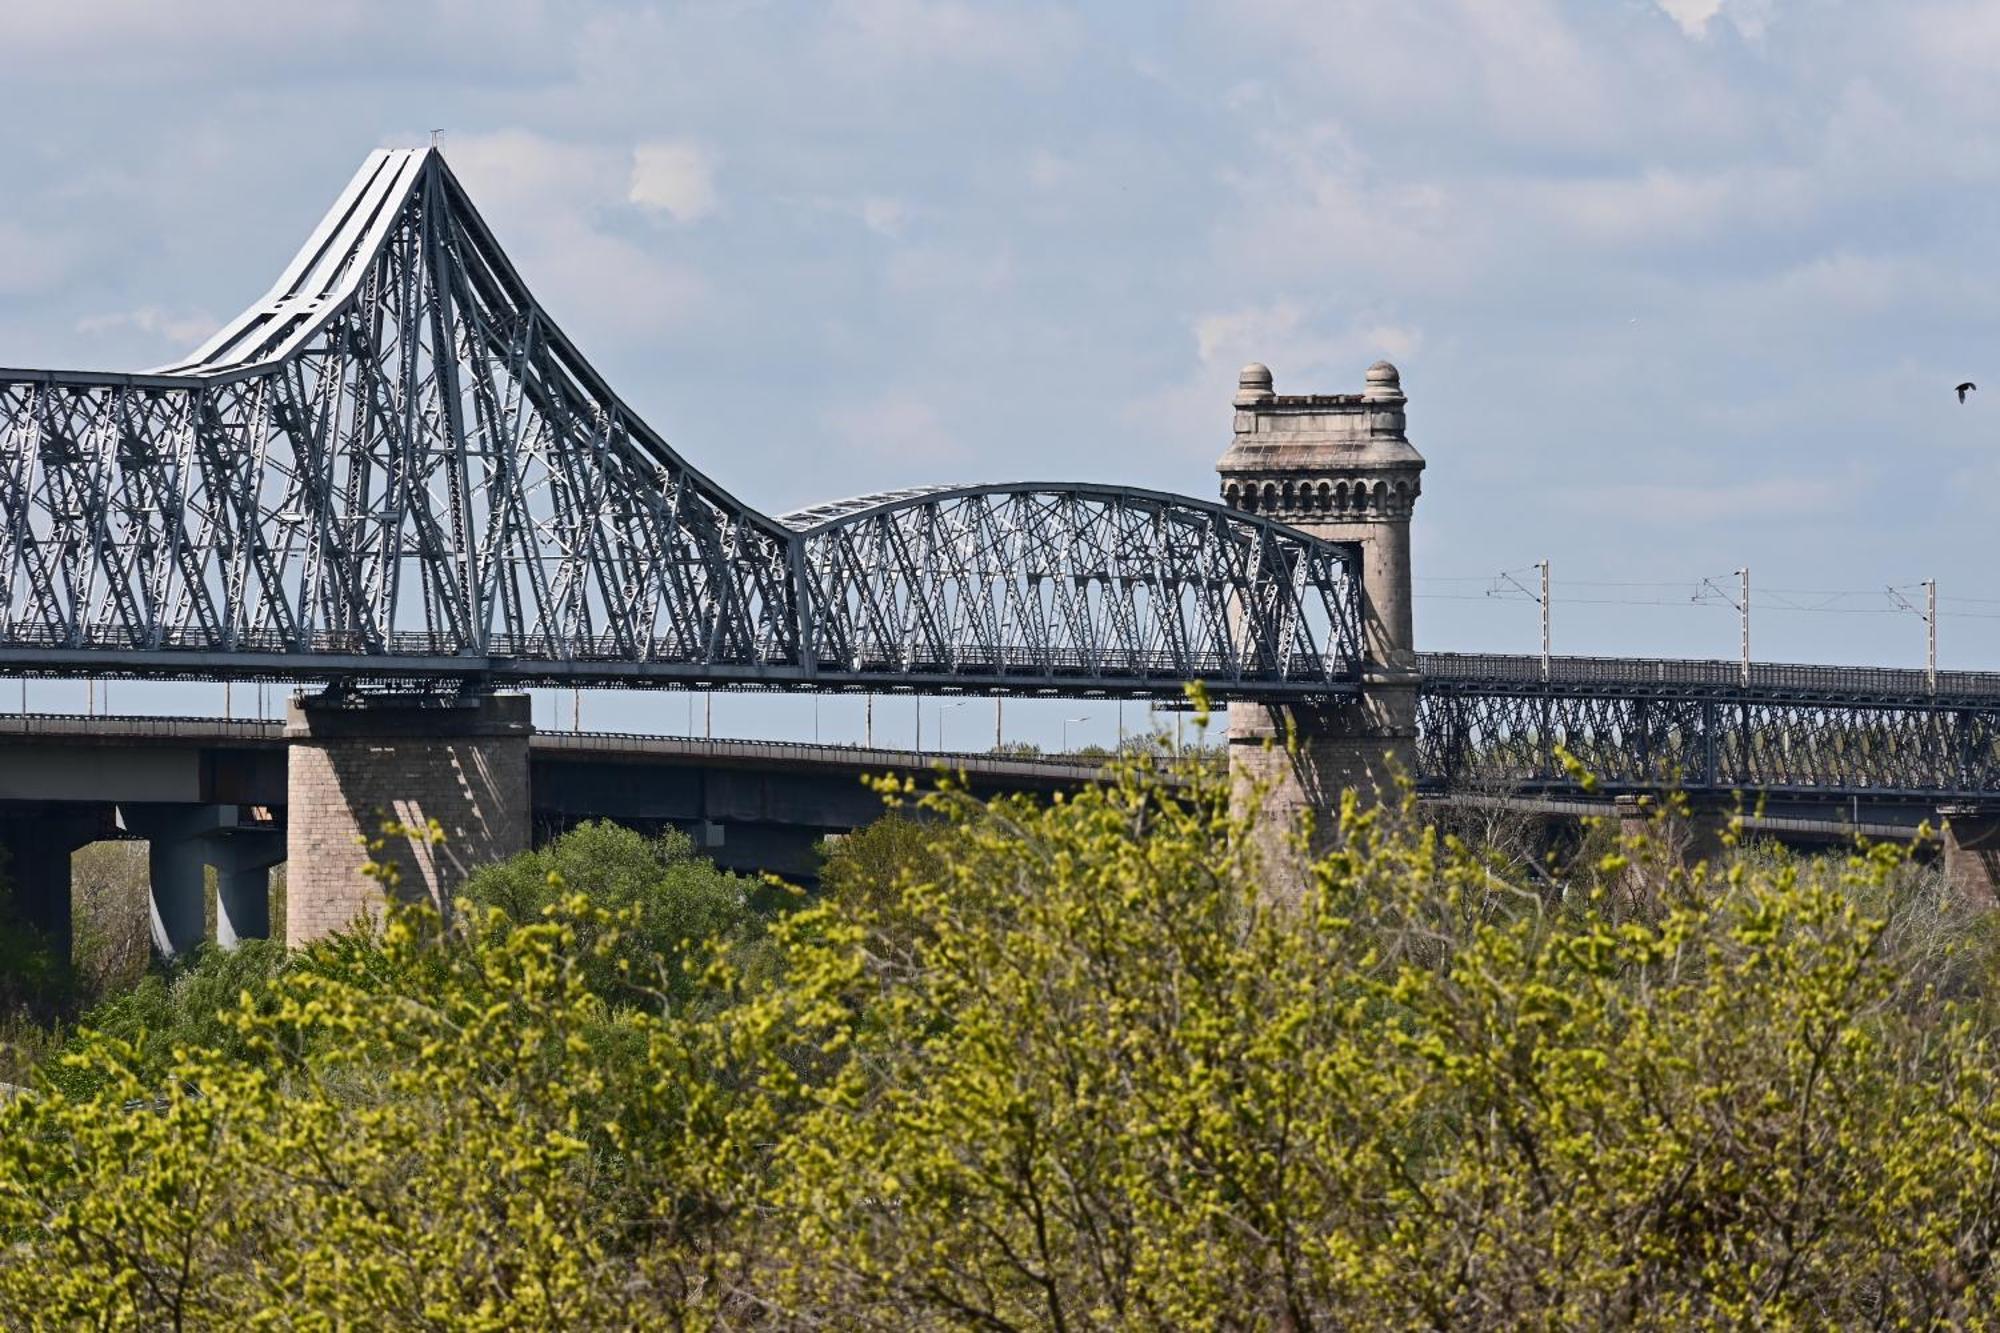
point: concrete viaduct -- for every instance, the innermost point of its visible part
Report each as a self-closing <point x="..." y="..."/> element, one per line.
<point x="226" y="795"/>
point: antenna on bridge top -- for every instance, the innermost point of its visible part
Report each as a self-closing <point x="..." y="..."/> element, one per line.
<point x="437" y="139"/>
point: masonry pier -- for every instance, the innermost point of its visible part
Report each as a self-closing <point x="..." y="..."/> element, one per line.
<point x="427" y="787"/>
<point x="1340" y="467"/>
<point x="1971" y="840"/>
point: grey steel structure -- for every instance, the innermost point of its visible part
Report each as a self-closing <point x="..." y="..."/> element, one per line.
<point x="395" y="467"/>
<point x="1496" y="722"/>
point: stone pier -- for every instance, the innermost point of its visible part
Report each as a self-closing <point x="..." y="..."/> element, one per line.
<point x="36" y="843"/>
<point x="1972" y="851"/>
<point x="1339" y="466"/>
<point x="1682" y="840"/>
<point x="382" y="769"/>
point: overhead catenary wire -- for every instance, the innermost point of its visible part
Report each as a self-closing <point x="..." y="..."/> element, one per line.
<point x="1890" y="599"/>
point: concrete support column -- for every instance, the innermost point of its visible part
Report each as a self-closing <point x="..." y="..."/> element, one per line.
<point x="1340" y="467"/>
<point x="35" y="849"/>
<point x="243" y="887"/>
<point x="381" y="769"/>
<point x="1972" y="852"/>
<point x="177" y="868"/>
<point x="184" y="841"/>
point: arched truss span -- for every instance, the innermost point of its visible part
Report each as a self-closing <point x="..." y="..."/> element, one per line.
<point x="394" y="465"/>
<point x="1080" y="585"/>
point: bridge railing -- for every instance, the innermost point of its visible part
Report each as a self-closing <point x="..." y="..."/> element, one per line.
<point x="970" y="659"/>
<point x="1707" y="674"/>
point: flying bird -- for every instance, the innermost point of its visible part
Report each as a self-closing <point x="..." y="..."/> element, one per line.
<point x="1965" y="389"/>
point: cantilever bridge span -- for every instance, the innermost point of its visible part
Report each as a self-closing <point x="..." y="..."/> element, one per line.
<point x="395" y="467"/>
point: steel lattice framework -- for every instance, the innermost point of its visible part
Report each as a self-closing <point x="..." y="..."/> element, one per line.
<point x="989" y="584"/>
<point x="394" y="466"/>
<point x="1496" y="723"/>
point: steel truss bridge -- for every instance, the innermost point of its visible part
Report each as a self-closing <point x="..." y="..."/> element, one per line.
<point x="394" y="468"/>
<point x="1497" y="723"/>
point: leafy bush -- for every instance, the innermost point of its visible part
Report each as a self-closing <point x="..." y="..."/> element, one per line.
<point x="1072" y="1066"/>
<point x="186" y="1006"/>
<point x="673" y="901"/>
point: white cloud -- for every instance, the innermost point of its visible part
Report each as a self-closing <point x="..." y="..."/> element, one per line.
<point x="139" y="41"/>
<point x="896" y="427"/>
<point x="948" y="272"/>
<point x="1050" y="171"/>
<point x="884" y="216"/>
<point x="1674" y="504"/>
<point x="1305" y="356"/>
<point x="675" y="177"/>
<point x="187" y="330"/>
<point x="547" y="201"/>
<point x="1697" y="17"/>
<point x="33" y="259"/>
<point x="1663" y="206"/>
<point x="1694" y="16"/>
<point x="922" y="33"/>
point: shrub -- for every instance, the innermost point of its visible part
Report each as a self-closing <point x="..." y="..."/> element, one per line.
<point x="1073" y="1065"/>
<point x="673" y="901"/>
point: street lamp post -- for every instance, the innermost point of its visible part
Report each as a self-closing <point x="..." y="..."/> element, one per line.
<point x="1065" y="730"/>
<point x="942" y="710"/>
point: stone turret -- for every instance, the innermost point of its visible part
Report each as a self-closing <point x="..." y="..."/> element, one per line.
<point x="1340" y="467"/>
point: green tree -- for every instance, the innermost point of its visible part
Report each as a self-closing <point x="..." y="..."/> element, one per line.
<point x="672" y="901"/>
<point x="1067" y="1065"/>
<point x="1117" y="1083"/>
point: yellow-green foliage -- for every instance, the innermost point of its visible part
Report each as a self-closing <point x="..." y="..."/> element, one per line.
<point x="1077" y="1067"/>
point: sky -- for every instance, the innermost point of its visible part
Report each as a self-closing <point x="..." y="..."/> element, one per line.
<point x="1676" y="286"/>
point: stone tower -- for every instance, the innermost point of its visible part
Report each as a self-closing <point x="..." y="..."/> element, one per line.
<point x="1340" y="467"/>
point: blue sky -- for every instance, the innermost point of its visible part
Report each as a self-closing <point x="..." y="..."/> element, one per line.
<point x="1675" y="285"/>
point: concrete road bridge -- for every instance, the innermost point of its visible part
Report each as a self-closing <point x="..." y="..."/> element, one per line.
<point x="394" y="478"/>
<point x="214" y="794"/>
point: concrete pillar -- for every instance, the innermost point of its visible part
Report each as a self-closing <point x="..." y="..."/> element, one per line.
<point x="243" y="885"/>
<point x="1972" y="852"/>
<point x="177" y="870"/>
<point x="183" y="842"/>
<point x="1338" y="466"/>
<point x="36" y="843"/>
<point x="358" y="764"/>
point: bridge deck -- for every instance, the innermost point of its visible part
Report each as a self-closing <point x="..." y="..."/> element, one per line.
<point x="252" y="733"/>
